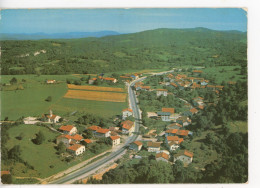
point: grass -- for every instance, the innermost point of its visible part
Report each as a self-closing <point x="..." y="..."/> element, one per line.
<point x="101" y="108"/>
<point x="224" y="73"/>
<point x="41" y="157"/>
<point x="238" y="126"/>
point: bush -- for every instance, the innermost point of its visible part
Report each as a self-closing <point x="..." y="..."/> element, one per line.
<point x="48" y="99"/>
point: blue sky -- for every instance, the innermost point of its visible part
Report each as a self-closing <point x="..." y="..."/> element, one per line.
<point x="120" y="20"/>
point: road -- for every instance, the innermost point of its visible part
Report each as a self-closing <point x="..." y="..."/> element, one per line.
<point x="79" y="174"/>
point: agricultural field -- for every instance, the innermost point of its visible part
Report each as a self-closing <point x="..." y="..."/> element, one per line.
<point x="95" y="88"/>
<point x="66" y="106"/>
<point x="96" y="96"/>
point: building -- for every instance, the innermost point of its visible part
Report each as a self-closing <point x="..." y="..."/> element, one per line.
<point x="127" y="127"/>
<point x="93" y="128"/>
<point x="30" y="120"/>
<point x="91" y="81"/>
<point x="136" y="145"/>
<point x="153" y="146"/>
<point x="50" y="81"/>
<point x="51" y="118"/>
<point x="115" y="140"/>
<point x="184" y="121"/>
<point x="68" y="129"/>
<point x="65" y="139"/>
<point x="171" y="110"/>
<point x="185" y="156"/>
<point x="173" y="142"/>
<point x="162" y="92"/>
<point x="76" y="149"/>
<point x="165" y="116"/>
<point x="102" y="133"/>
<point x="174" y="126"/>
<point x="87" y="141"/>
<point x="112" y="80"/>
<point x="76" y="138"/>
<point x="194" y="111"/>
<point x="162" y="156"/>
<point x="127" y="112"/>
<point x="171" y="132"/>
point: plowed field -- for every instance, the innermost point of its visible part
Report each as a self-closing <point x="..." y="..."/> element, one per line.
<point x="95" y="88"/>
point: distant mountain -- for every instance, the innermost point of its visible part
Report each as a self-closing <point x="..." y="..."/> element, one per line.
<point x="70" y="35"/>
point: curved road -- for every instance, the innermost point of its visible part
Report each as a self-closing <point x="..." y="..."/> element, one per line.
<point x="79" y="173"/>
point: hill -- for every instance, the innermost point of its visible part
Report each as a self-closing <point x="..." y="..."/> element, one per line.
<point x="151" y="49"/>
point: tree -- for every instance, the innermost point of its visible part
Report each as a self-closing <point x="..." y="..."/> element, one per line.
<point x="39" y="138"/>
<point x="15" y="153"/>
<point x="6" y="179"/>
<point x="48" y="99"/>
<point x="61" y="148"/>
<point x="21" y="136"/>
<point x="13" y="81"/>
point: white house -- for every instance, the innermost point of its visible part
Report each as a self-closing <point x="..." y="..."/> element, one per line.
<point x="173" y="142"/>
<point x="153" y="146"/>
<point x="160" y="92"/>
<point x="127" y="112"/>
<point x="76" y="149"/>
<point x="30" y="120"/>
<point x="50" y="81"/>
<point x="165" y="116"/>
<point x="68" y="129"/>
<point x="136" y="145"/>
<point x="51" y="118"/>
<point x="115" y="140"/>
<point x="102" y="133"/>
<point x="184" y="155"/>
<point x="127" y="127"/>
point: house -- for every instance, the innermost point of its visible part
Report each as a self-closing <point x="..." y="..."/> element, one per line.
<point x="162" y="157"/>
<point x="145" y="88"/>
<point x="30" y="120"/>
<point x="91" y="81"/>
<point x="171" y="132"/>
<point x="76" y="149"/>
<point x="153" y="146"/>
<point x="112" y="80"/>
<point x="50" y="81"/>
<point x="174" y="126"/>
<point x="68" y="129"/>
<point x="185" y="156"/>
<point x="102" y="133"/>
<point x="127" y="127"/>
<point x="171" y="110"/>
<point x="66" y="139"/>
<point x="184" y="121"/>
<point x="173" y="142"/>
<point x="183" y="133"/>
<point x="194" y="111"/>
<point x="51" y="118"/>
<point x="162" y="92"/>
<point x="76" y="138"/>
<point x="115" y="140"/>
<point x="197" y="71"/>
<point x="114" y="131"/>
<point x="136" y="145"/>
<point x="94" y="128"/>
<point x="165" y="116"/>
<point x="127" y="112"/>
<point x="87" y="141"/>
<point x="173" y="85"/>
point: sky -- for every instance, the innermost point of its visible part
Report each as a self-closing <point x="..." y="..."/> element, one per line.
<point x="119" y="20"/>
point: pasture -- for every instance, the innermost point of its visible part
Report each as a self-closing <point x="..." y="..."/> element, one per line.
<point x="96" y="96"/>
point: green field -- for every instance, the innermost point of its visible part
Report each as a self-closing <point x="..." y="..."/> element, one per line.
<point x="66" y="106"/>
<point x="238" y="126"/>
<point x="41" y="157"/>
<point x="224" y="73"/>
<point x="31" y="100"/>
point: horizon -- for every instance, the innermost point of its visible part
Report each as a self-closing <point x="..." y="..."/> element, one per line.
<point x="123" y="21"/>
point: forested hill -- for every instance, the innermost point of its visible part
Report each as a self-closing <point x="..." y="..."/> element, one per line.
<point x="144" y="50"/>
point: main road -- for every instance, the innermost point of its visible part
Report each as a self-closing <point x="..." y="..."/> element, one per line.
<point x="87" y="170"/>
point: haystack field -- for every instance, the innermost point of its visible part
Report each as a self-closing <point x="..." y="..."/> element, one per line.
<point x="95" y="88"/>
<point x="96" y="95"/>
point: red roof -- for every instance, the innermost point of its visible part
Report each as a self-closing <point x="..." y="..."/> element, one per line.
<point x="173" y="84"/>
<point x="182" y="132"/>
<point x="198" y="71"/>
<point x="5" y="172"/>
<point x="201" y="107"/>
<point x="193" y="110"/>
<point x="145" y="87"/>
<point x="94" y="128"/>
<point x="103" y="131"/>
<point x="64" y="136"/>
<point x="128" y="109"/>
<point x="173" y="131"/>
<point x="138" y="143"/>
<point x="75" y="147"/>
<point x="77" y="137"/>
<point x="163" y="155"/>
<point x="127" y="124"/>
<point x="66" y="127"/>
<point x="188" y="153"/>
<point x="88" y="141"/>
<point x="51" y="117"/>
<point x="162" y="90"/>
<point x="171" y="110"/>
<point x="114" y="137"/>
<point x="154" y="144"/>
<point x="174" y="138"/>
<point x="175" y="124"/>
<point x="109" y="79"/>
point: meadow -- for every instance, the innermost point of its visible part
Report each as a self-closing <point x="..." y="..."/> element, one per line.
<point x="43" y="156"/>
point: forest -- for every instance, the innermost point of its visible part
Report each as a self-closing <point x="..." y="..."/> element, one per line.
<point x="144" y="50"/>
